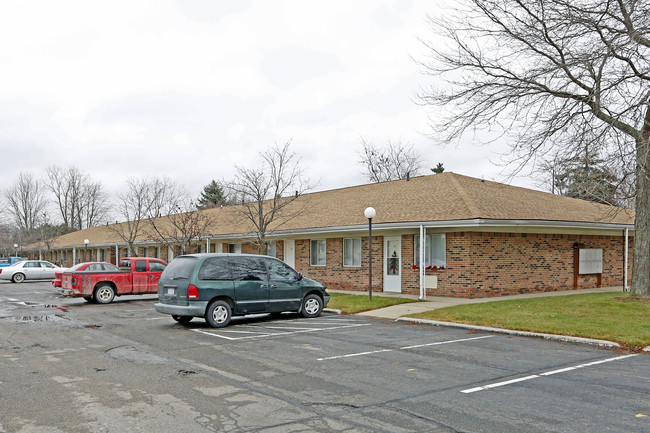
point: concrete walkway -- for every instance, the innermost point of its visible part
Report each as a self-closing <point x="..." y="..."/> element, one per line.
<point x="397" y="312"/>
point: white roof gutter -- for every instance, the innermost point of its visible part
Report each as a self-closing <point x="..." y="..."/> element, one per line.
<point x="455" y="224"/>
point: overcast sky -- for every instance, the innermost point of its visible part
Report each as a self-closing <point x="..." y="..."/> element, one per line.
<point x="191" y="88"/>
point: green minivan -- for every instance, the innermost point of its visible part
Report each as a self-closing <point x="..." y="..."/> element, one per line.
<point x="218" y="286"/>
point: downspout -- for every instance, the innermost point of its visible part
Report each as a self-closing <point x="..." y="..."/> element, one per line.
<point x="74" y="256"/>
<point x="625" y="286"/>
<point x="423" y="290"/>
<point x="117" y="255"/>
<point x="207" y="244"/>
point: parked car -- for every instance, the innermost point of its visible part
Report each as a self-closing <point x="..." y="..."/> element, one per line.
<point x="8" y="261"/>
<point x="135" y="276"/>
<point x="217" y="286"/>
<point x="29" y="270"/>
<point x="88" y="267"/>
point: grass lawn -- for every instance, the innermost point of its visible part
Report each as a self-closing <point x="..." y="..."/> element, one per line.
<point x="350" y="304"/>
<point x="605" y="316"/>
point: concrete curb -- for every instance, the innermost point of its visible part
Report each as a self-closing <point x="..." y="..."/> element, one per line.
<point x="332" y="310"/>
<point x="554" y="337"/>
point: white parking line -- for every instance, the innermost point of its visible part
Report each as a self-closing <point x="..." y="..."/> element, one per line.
<point x="286" y="327"/>
<point x="350" y="355"/>
<point x="548" y="373"/>
<point x="263" y="334"/>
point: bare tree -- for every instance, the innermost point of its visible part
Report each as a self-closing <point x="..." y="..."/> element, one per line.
<point x="173" y="216"/>
<point x="165" y="196"/>
<point x="26" y="202"/>
<point x="81" y="202"/>
<point x="134" y="207"/>
<point x="7" y="240"/>
<point x="394" y="160"/>
<point x="267" y="191"/>
<point x="95" y="207"/>
<point x="543" y="72"/>
<point x="180" y="227"/>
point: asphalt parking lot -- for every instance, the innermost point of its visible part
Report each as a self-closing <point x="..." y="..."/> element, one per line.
<point x="70" y="366"/>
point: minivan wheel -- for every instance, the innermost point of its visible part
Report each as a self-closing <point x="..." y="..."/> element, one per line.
<point x="182" y="319"/>
<point x="218" y="314"/>
<point x="312" y="306"/>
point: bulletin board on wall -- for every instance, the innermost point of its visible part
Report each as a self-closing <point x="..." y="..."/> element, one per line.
<point x="590" y="261"/>
<point x="587" y="261"/>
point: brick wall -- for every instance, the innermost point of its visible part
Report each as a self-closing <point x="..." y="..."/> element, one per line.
<point x="334" y="275"/>
<point x="496" y="264"/>
<point x="478" y="264"/>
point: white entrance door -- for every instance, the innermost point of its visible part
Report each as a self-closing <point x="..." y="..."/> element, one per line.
<point x="393" y="264"/>
<point x="290" y="252"/>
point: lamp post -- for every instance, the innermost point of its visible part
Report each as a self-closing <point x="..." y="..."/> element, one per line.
<point x="15" y="250"/>
<point x="370" y="213"/>
<point x="86" y="242"/>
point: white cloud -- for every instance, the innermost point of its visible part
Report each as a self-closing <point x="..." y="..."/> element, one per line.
<point x="189" y="89"/>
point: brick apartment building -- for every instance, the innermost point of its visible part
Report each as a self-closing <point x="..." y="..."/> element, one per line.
<point x="481" y="239"/>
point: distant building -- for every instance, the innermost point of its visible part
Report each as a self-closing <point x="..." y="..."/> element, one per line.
<point x="481" y="239"/>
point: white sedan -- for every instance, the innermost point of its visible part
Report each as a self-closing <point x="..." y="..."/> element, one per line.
<point x="30" y="270"/>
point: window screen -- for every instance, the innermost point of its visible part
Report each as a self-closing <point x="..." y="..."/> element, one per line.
<point x="318" y="252"/>
<point x="434" y="250"/>
<point x="352" y="252"/>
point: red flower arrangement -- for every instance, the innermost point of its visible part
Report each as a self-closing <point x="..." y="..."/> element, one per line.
<point x="433" y="268"/>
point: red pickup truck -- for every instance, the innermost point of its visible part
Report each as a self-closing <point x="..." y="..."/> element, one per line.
<point x="135" y="276"/>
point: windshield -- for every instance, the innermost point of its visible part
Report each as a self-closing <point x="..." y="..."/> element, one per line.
<point x="180" y="268"/>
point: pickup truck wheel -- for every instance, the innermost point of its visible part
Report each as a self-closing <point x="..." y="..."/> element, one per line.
<point x="218" y="314"/>
<point x="312" y="306"/>
<point x="104" y="294"/>
<point x="182" y="319"/>
<point x="18" y="278"/>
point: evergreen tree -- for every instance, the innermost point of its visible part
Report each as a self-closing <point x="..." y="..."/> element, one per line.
<point x="587" y="177"/>
<point x="212" y="195"/>
<point x="438" y="169"/>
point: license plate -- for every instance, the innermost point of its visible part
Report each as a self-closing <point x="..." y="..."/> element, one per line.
<point x="170" y="290"/>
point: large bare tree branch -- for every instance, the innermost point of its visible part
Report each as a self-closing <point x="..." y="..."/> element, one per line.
<point x="539" y="74"/>
<point x="268" y="194"/>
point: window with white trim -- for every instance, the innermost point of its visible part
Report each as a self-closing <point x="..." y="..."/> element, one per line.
<point x="318" y="252"/>
<point x="352" y="252"/>
<point x="234" y="248"/>
<point x="271" y="248"/>
<point x="435" y="247"/>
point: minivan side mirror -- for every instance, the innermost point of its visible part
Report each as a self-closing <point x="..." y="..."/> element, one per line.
<point x="299" y="276"/>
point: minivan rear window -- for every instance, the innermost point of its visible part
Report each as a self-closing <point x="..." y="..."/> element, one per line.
<point x="180" y="268"/>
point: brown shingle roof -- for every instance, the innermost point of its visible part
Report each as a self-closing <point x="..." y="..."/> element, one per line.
<point x="440" y="197"/>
